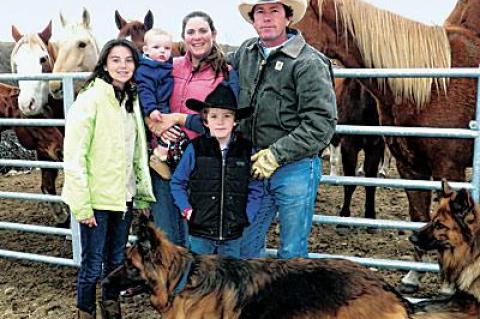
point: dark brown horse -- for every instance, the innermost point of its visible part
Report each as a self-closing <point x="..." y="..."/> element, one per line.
<point x="356" y="106"/>
<point x="391" y="41"/>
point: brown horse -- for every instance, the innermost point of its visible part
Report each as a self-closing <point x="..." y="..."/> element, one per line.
<point x="46" y="141"/>
<point x="466" y="14"/>
<point x="135" y="30"/>
<point x="387" y="40"/>
<point x="33" y="53"/>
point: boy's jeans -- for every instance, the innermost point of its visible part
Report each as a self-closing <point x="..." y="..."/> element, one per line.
<point x="104" y="244"/>
<point x="230" y="248"/>
<point x="291" y="191"/>
<point x="166" y="215"/>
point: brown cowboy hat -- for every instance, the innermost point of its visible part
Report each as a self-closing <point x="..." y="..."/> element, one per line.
<point x="298" y="7"/>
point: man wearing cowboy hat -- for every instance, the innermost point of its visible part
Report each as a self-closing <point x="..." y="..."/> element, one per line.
<point x="289" y="84"/>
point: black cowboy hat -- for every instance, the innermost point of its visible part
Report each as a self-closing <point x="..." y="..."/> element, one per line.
<point x="221" y="97"/>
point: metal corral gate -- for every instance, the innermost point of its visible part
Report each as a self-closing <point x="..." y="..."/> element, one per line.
<point x="474" y="186"/>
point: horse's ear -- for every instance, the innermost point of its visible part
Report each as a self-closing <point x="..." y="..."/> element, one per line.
<point x="16" y="34"/>
<point x="447" y="192"/>
<point x="63" y="21"/>
<point x="148" y="20"/>
<point x="86" y="18"/>
<point x="46" y="34"/>
<point x="119" y="21"/>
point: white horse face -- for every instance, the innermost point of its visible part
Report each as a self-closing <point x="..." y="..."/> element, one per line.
<point x="31" y="58"/>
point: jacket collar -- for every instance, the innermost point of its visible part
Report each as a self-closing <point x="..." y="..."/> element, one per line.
<point x="291" y="47"/>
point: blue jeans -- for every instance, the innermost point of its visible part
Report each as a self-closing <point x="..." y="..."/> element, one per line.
<point x="103" y="250"/>
<point x="291" y="191"/>
<point x="166" y="215"/>
<point x="230" y="248"/>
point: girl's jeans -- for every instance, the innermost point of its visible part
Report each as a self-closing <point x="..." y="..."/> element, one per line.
<point x="103" y="250"/>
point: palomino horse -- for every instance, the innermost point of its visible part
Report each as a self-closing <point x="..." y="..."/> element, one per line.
<point x="134" y="30"/>
<point x="32" y="54"/>
<point x="340" y="30"/>
<point x="77" y="51"/>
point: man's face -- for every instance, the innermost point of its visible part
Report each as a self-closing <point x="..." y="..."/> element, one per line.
<point x="270" y="22"/>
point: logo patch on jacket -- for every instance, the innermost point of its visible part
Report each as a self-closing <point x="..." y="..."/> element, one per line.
<point x="279" y="66"/>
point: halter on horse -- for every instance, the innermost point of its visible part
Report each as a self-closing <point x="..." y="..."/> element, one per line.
<point x="32" y="54"/>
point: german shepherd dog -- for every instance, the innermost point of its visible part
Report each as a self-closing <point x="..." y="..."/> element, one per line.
<point x="454" y="232"/>
<point x="183" y="285"/>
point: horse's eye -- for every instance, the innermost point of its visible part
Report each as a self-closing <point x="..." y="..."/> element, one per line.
<point x="43" y="60"/>
<point x="82" y="44"/>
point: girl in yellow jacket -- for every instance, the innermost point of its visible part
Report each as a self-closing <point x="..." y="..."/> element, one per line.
<point x="106" y="171"/>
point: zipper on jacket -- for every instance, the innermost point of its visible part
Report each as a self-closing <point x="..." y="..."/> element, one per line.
<point x="222" y="197"/>
<point x="253" y="99"/>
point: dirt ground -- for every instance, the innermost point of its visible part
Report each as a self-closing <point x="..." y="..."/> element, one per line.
<point x="34" y="290"/>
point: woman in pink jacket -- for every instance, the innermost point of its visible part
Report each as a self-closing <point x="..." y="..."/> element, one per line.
<point x="195" y="75"/>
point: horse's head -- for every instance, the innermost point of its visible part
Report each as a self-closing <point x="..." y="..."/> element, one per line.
<point x="32" y="54"/>
<point x="134" y="30"/>
<point x="465" y="14"/>
<point x="77" y="51"/>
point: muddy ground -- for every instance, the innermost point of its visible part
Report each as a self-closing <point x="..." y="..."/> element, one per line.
<point x="34" y="290"/>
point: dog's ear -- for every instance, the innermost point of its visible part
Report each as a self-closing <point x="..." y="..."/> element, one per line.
<point x="463" y="205"/>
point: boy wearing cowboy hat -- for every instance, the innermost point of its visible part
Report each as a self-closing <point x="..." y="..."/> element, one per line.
<point x="289" y="84"/>
<point x="211" y="185"/>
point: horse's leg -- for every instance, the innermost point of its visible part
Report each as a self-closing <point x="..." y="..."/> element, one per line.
<point x="60" y="213"/>
<point x="349" y="152"/>
<point x="373" y="154"/>
<point x="335" y="157"/>
<point x="385" y="163"/>
<point x="418" y="208"/>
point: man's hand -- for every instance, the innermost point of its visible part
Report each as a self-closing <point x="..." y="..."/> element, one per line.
<point x="143" y="211"/>
<point x="264" y="164"/>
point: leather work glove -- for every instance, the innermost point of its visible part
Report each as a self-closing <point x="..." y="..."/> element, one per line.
<point x="264" y="164"/>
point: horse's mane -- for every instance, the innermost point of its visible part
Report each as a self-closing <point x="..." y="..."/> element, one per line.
<point x="387" y="40"/>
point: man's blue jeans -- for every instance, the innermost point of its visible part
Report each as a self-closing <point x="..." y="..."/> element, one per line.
<point x="291" y="191"/>
<point x="101" y="245"/>
<point x="230" y="248"/>
<point x="166" y="215"/>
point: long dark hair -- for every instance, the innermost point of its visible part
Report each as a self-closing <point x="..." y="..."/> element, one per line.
<point x="130" y="89"/>
<point x="216" y="57"/>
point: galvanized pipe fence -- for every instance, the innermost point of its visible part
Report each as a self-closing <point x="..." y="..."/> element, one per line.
<point x="471" y="132"/>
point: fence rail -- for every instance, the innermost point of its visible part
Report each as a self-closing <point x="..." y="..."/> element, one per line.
<point x="470" y="132"/>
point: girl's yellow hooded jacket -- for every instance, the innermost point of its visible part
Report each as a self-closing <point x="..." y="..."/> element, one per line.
<point x="94" y="154"/>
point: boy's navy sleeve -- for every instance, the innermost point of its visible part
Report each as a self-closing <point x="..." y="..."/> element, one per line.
<point x="146" y="90"/>
<point x="164" y="91"/>
<point x="254" y="200"/>
<point x="255" y="196"/>
<point x="181" y="177"/>
<point x="194" y="122"/>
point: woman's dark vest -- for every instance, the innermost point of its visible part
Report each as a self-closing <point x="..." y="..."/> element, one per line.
<point x="219" y="188"/>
